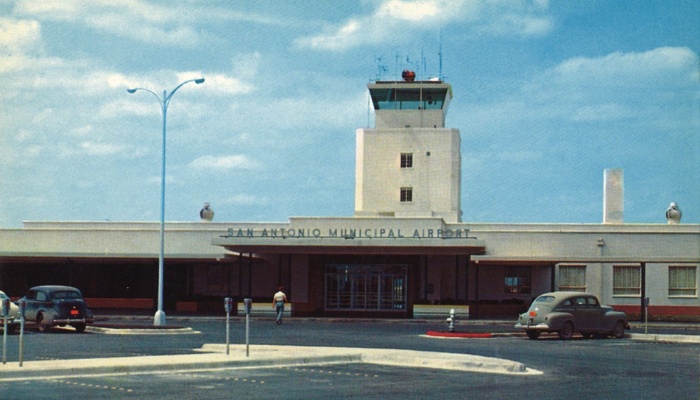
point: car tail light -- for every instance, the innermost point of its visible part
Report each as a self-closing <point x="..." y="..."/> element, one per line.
<point x="533" y="313"/>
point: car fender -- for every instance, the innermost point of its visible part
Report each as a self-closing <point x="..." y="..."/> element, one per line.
<point x="556" y="320"/>
<point x="48" y="314"/>
<point x="610" y="319"/>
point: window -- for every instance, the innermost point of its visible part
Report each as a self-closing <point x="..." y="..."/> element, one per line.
<point x="627" y="281"/>
<point x="408" y="99"/>
<point x="572" y="278"/>
<point x="406" y="160"/>
<point x="518" y="280"/>
<point x="682" y="281"/>
<point x="406" y="194"/>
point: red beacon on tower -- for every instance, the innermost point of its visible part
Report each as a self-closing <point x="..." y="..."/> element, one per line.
<point x="408" y="76"/>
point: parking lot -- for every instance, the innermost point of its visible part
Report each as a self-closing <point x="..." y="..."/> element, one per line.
<point x="580" y="368"/>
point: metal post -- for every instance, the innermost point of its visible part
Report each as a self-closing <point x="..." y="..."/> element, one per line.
<point x="22" y="308"/>
<point x="5" y="313"/>
<point x="247" y="335"/>
<point x="228" y="304"/>
<point x="646" y="315"/>
<point x="159" y="318"/>
<point x="4" y="340"/>
<point x="248" y="303"/>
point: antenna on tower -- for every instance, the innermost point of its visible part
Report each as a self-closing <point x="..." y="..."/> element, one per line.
<point x="381" y="67"/>
<point x="440" y="57"/>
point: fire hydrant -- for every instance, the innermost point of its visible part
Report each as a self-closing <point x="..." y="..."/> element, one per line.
<point x="451" y="321"/>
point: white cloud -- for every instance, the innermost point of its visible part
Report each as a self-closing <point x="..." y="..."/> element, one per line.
<point x="226" y="85"/>
<point x="170" y="24"/>
<point x="101" y="149"/>
<point x="398" y="19"/>
<point x="657" y="67"/>
<point x="19" y="36"/>
<point x="641" y="88"/>
<point x="223" y="163"/>
<point x="245" y="199"/>
<point x="18" y="39"/>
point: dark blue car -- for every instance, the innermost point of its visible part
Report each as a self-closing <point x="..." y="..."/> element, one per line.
<point x="49" y="306"/>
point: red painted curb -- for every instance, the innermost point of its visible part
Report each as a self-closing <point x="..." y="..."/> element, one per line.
<point x="461" y="335"/>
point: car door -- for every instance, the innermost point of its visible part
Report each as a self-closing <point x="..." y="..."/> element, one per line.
<point x="587" y="313"/>
<point x="596" y="314"/>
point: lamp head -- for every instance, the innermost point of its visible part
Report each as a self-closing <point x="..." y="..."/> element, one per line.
<point x="199" y="81"/>
<point x="131" y="90"/>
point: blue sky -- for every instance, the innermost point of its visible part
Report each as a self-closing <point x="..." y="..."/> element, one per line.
<point x="547" y="95"/>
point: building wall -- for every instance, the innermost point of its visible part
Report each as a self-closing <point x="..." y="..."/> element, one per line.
<point x="434" y="177"/>
<point x="70" y="253"/>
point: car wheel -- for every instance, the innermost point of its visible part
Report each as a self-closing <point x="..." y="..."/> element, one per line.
<point x="41" y="325"/>
<point x="619" y="330"/>
<point x="532" y="334"/>
<point x="80" y="328"/>
<point x="566" y="331"/>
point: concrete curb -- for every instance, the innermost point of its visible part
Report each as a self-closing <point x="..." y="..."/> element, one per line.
<point x="212" y="356"/>
<point x="462" y="335"/>
<point x="406" y="358"/>
<point x="162" y="364"/>
<point x="141" y="331"/>
<point x="643" y="337"/>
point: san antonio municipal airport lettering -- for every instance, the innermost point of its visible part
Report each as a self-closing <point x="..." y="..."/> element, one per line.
<point x="369" y="233"/>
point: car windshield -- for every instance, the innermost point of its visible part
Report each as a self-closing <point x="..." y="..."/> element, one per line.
<point x="66" y="294"/>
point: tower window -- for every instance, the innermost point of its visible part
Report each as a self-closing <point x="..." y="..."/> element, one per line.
<point x="406" y="194"/>
<point x="406" y="160"/>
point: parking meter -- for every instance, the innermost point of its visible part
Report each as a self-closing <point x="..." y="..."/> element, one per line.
<point x="22" y="308"/>
<point x="228" y="304"/>
<point x="248" y="303"/>
<point x="5" y="307"/>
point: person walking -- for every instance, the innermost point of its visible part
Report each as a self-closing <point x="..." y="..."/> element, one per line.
<point x="278" y="301"/>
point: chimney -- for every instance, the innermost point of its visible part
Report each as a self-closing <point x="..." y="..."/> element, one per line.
<point x="613" y="196"/>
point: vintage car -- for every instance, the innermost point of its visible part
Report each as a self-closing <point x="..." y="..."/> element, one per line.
<point x="49" y="306"/>
<point x="12" y="316"/>
<point x="569" y="312"/>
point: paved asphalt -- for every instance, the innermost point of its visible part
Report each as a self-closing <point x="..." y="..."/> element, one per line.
<point x="133" y="355"/>
<point x="276" y="355"/>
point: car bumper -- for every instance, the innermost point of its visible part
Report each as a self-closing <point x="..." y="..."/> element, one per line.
<point x="70" y="321"/>
<point x="529" y="327"/>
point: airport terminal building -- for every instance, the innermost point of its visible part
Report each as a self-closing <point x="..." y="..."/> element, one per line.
<point x="405" y="246"/>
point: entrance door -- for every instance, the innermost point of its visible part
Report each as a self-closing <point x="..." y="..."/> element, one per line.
<point x="366" y="287"/>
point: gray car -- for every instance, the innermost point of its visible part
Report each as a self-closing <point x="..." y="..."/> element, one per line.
<point x="568" y="312"/>
<point x="53" y="305"/>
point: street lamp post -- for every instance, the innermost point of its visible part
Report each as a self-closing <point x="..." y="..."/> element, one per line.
<point x="159" y="318"/>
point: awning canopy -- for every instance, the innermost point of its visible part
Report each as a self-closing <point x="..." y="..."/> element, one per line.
<point x="351" y="245"/>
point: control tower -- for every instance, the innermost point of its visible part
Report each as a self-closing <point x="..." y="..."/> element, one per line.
<point x="408" y="165"/>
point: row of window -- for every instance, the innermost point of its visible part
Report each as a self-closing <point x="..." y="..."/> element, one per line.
<point x="406" y="194"/>
<point x="627" y="280"/>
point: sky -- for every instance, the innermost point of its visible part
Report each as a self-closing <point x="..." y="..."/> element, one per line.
<point x="547" y="95"/>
